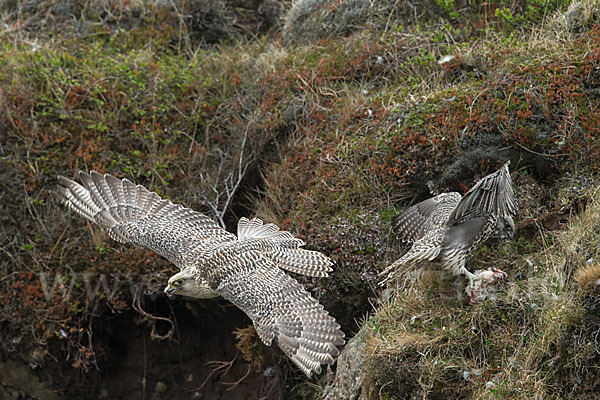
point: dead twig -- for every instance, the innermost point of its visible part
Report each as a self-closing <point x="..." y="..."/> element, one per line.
<point x="149" y="317"/>
<point x="227" y="188"/>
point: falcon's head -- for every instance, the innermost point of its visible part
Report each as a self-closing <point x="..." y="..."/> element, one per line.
<point x="505" y="229"/>
<point x="185" y="283"/>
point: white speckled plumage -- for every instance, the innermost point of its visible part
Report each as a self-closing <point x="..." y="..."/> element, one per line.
<point x="246" y="270"/>
<point x="448" y="228"/>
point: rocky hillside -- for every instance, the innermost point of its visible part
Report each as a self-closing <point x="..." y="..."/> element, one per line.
<point x="327" y="118"/>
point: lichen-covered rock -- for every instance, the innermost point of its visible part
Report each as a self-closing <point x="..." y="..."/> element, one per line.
<point x="310" y="20"/>
<point x="350" y="372"/>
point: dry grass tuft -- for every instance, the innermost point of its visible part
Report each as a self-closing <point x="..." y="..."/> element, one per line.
<point x="588" y="277"/>
<point x="578" y="17"/>
<point x="251" y="346"/>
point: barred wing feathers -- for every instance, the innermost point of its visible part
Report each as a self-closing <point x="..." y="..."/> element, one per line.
<point x="491" y="195"/>
<point x="132" y="214"/>
<point x="413" y="223"/>
<point x="246" y="270"/>
<point x="282" y="309"/>
<point x="284" y="249"/>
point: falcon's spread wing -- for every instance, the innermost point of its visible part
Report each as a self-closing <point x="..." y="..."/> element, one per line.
<point x="284" y="249"/>
<point x="281" y="308"/>
<point x="421" y="225"/>
<point x="415" y="221"/>
<point x="132" y="214"/>
<point x="491" y="195"/>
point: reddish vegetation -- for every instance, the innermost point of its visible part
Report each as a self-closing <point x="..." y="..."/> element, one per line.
<point x="543" y="107"/>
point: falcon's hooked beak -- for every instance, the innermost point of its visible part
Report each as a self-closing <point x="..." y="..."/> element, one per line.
<point x="509" y="227"/>
<point x="169" y="290"/>
<point x="511" y="235"/>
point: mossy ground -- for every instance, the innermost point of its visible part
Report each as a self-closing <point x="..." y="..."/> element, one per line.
<point x="329" y="140"/>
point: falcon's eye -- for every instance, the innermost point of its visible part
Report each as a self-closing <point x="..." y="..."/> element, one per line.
<point x="178" y="282"/>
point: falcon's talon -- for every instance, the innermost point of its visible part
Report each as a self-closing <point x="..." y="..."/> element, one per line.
<point x="487" y="285"/>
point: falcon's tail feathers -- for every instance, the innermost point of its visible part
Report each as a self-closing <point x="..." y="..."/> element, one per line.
<point x="391" y="271"/>
<point x="286" y="252"/>
<point x="256" y="229"/>
<point x="416" y="253"/>
<point x="302" y="261"/>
